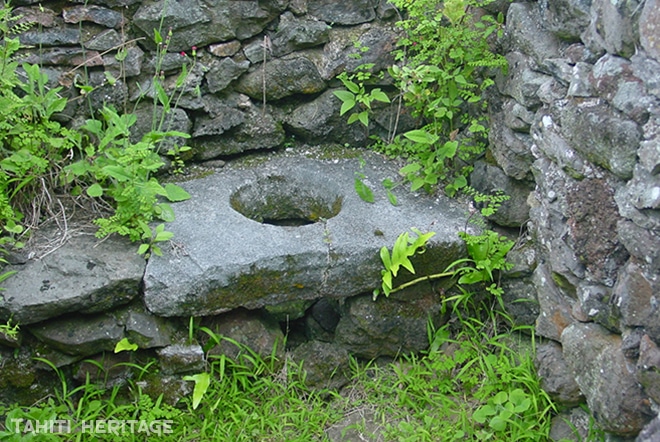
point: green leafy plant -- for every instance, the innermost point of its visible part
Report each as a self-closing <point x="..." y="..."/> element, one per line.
<point x="500" y="409"/>
<point x="40" y="157"/>
<point x="487" y="254"/>
<point x="357" y="97"/>
<point x="123" y="171"/>
<point x="9" y="329"/>
<point x="445" y="63"/>
<point x="404" y="248"/>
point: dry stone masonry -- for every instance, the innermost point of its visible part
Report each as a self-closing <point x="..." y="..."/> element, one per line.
<point x="574" y="127"/>
<point x="574" y="140"/>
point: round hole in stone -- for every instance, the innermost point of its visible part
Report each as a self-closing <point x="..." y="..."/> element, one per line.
<point x="287" y="201"/>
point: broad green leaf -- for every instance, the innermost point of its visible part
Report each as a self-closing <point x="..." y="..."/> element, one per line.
<point x="125" y="345"/>
<point x="344" y="95"/>
<point x="165" y="212"/>
<point x="95" y="190"/>
<point x="351" y="86"/>
<point x="388" y="183"/>
<point x="501" y="397"/>
<point x="353" y="118"/>
<point x="78" y="168"/>
<point x="363" y="191"/>
<point x="448" y="149"/>
<point x="410" y="168"/>
<point x="346" y="106"/>
<point x="117" y="172"/>
<point x="483" y="413"/>
<point x="144" y="248"/>
<point x="163" y="236"/>
<point x="202" y="382"/>
<point x="379" y="95"/>
<point x="364" y="118"/>
<point x="421" y="136"/>
<point x="460" y="182"/>
<point x="497" y="423"/>
<point x="472" y="277"/>
<point x="175" y="193"/>
<point x="417" y="184"/>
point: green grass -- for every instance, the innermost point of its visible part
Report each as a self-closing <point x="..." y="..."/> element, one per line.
<point x="476" y="382"/>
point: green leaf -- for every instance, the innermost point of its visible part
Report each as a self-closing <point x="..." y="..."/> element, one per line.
<point x="175" y="193"/>
<point x="351" y="86"/>
<point x="202" y="382"/>
<point x="163" y="236"/>
<point x="125" y="345"/>
<point x="501" y="397"/>
<point x="364" y="118"/>
<point x="387" y="280"/>
<point x="497" y="423"/>
<point x="385" y="257"/>
<point x="472" y="276"/>
<point x="182" y="76"/>
<point x="144" y="248"/>
<point x="78" y="168"/>
<point x="344" y="96"/>
<point x="364" y="191"/>
<point x="162" y="96"/>
<point x="417" y="184"/>
<point x="166" y="213"/>
<point x="410" y="168"/>
<point x="379" y="95"/>
<point x="95" y="190"/>
<point x="118" y="173"/>
<point x="353" y="118"/>
<point x="391" y="197"/>
<point x="421" y="136"/>
<point x="460" y="182"/>
<point x="406" y="264"/>
<point x="448" y="149"/>
<point x="388" y="183"/>
<point x="483" y="413"/>
<point x="347" y="106"/>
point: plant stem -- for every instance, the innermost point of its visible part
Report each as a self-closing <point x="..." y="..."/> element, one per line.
<point x="421" y="279"/>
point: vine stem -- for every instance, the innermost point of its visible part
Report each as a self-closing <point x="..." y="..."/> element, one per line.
<point x="421" y="279"/>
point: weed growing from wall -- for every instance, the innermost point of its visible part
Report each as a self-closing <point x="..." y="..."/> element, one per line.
<point x="43" y="160"/>
<point x="445" y="68"/>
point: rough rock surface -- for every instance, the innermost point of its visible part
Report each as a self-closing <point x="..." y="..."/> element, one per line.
<point x="615" y="398"/>
<point x="83" y="275"/>
<point x="237" y="255"/>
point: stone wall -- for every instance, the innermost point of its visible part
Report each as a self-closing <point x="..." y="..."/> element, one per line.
<point x="574" y="140"/>
<point x="239" y="56"/>
<point x="575" y="135"/>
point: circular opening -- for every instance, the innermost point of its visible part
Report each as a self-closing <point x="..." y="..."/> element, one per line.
<point x="286" y="201"/>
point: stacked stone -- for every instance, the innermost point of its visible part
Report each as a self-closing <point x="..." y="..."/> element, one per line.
<point x="256" y="70"/>
<point x="576" y="120"/>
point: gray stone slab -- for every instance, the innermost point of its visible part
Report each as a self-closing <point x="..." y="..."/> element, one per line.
<point x="84" y="275"/>
<point x="224" y="260"/>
